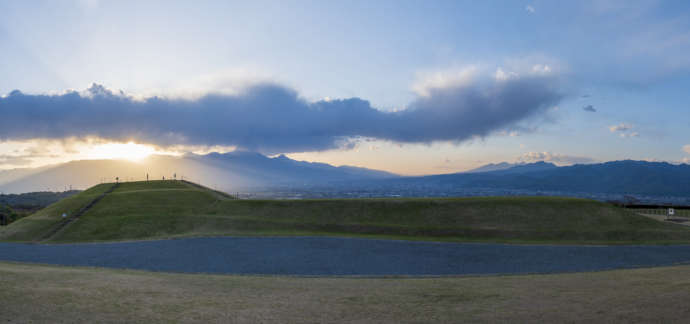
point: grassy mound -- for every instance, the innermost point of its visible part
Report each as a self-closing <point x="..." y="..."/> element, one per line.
<point x="159" y="209"/>
<point x="38" y="224"/>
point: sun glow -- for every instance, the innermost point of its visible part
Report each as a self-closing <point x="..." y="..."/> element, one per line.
<point x="120" y="151"/>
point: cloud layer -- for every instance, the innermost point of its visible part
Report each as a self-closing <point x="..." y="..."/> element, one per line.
<point x="273" y="119"/>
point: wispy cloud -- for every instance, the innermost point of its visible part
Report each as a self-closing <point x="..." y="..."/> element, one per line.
<point x="274" y="119"/>
<point x="530" y="9"/>
<point x="631" y="134"/>
<point x="560" y="159"/>
<point x="16" y="154"/>
<point x="589" y="108"/>
<point x="624" y="130"/>
<point x="12" y="160"/>
<point x="620" y="127"/>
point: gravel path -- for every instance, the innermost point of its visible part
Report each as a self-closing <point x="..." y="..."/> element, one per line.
<point x="343" y="256"/>
<point x="662" y="218"/>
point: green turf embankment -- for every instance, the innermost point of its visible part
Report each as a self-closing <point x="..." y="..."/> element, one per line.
<point x="160" y="209"/>
<point x="45" y="220"/>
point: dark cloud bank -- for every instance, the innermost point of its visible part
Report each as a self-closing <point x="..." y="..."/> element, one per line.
<point x="273" y="119"/>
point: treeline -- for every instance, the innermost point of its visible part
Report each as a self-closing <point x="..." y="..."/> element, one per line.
<point x="34" y="199"/>
<point x="16" y="206"/>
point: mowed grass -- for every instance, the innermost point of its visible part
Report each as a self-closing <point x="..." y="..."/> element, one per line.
<point x="140" y="210"/>
<point x="509" y="219"/>
<point x="50" y="294"/>
<point x="161" y="209"/>
<point x="34" y="227"/>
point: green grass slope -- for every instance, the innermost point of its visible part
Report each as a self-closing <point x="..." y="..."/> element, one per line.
<point x="38" y="224"/>
<point x="160" y="209"/>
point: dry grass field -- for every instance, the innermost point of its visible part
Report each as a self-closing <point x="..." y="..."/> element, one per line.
<point x="52" y="294"/>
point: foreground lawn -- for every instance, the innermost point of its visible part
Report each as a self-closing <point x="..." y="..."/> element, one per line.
<point x="37" y="293"/>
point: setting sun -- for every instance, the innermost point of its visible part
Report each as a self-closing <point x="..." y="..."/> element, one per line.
<point x="124" y="151"/>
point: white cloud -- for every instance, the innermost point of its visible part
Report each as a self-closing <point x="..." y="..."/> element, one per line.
<point x="511" y="133"/>
<point x="622" y="127"/>
<point x="227" y="81"/>
<point x="541" y="69"/>
<point x="530" y="9"/>
<point x="503" y="75"/>
<point x="556" y="158"/>
<point x="686" y="148"/>
<point x="624" y="130"/>
<point x="454" y="77"/>
<point x="536" y="67"/>
<point x="629" y="135"/>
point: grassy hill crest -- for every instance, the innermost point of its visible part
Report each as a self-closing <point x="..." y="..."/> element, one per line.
<point x="165" y="209"/>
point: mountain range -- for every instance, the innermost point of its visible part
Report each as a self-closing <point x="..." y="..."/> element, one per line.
<point x="626" y="177"/>
<point x="511" y="168"/>
<point x="248" y="171"/>
<point x="232" y="171"/>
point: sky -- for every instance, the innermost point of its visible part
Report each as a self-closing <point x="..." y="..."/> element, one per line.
<point x="411" y="87"/>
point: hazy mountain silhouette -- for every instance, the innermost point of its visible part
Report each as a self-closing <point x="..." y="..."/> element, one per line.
<point x="492" y="167"/>
<point x="617" y="177"/>
<point x="248" y="171"/>
<point x="505" y="167"/>
<point x="228" y="171"/>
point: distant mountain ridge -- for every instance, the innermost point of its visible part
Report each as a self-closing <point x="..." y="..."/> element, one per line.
<point x="253" y="172"/>
<point x="507" y="168"/>
<point x="620" y="177"/>
<point x="289" y="169"/>
<point x="492" y="167"/>
<point x="232" y="171"/>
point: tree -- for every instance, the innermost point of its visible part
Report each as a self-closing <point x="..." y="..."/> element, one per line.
<point x="7" y="215"/>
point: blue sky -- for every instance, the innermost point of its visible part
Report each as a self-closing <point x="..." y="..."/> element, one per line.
<point x="626" y="59"/>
